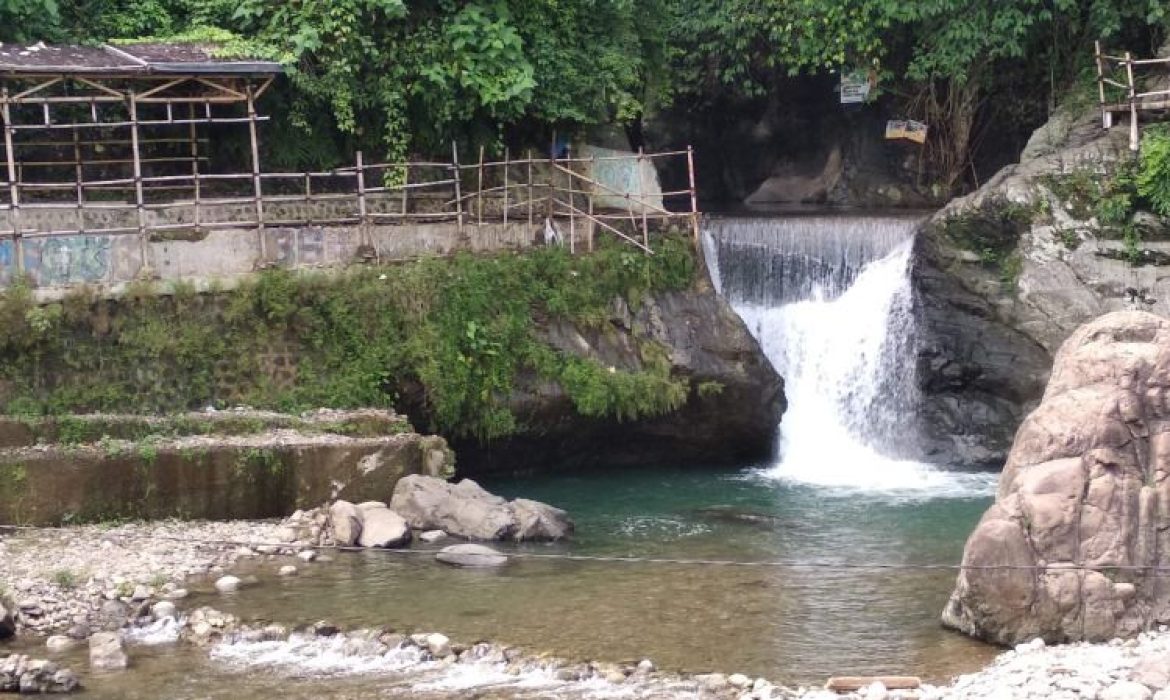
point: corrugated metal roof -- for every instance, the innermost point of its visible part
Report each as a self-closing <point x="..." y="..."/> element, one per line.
<point x="146" y="59"/>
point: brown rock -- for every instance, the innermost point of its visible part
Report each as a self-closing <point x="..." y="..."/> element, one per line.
<point x="1085" y="485"/>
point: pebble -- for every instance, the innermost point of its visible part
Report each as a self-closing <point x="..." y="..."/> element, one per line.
<point x="739" y="680"/>
<point x="287" y="570"/>
<point x="164" y="609"/>
<point x="307" y="555"/>
<point x="59" y="642"/>
<point x="432" y="536"/>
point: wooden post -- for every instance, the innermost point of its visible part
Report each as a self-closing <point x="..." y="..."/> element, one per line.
<point x="139" y="199"/>
<point x="193" y="133"/>
<point x="309" y="198"/>
<point x="363" y="218"/>
<point x="79" y="175"/>
<point x="1133" y="109"/>
<point x="405" y="190"/>
<point x="1106" y="115"/>
<point x="257" y="187"/>
<point x="505" y="186"/>
<point x="479" y="192"/>
<point x="694" y="194"/>
<point x="361" y="187"/>
<point x="531" y="189"/>
<point x="592" y="228"/>
<point x="13" y="186"/>
<point x="572" y="208"/>
<point x="642" y="198"/>
<point x="458" y="189"/>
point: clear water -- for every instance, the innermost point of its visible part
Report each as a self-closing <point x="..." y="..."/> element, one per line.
<point x="794" y="625"/>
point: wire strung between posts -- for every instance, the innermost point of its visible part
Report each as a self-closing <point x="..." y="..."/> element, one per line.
<point x="1160" y="571"/>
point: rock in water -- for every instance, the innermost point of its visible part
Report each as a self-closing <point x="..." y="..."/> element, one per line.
<point x="105" y="651"/>
<point x="382" y="527"/>
<point x="1126" y="690"/>
<point x="467" y="510"/>
<point x="1087" y="482"/>
<point x="227" y="584"/>
<point x="471" y="556"/>
<point x="538" y="521"/>
<point x="345" y="523"/>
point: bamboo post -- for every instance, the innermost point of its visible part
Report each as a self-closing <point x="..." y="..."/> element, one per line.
<point x="642" y="198"/>
<point x="1106" y="115"/>
<point x="13" y="186"/>
<point x="193" y="134"/>
<point x="505" y="186"/>
<point x="458" y="189"/>
<point x="309" y="198"/>
<point x="257" y="186"/>
<point x="479" y="192"/>
<point x="592" y="227"/>
<point x="79" y="176"/>
<point x="569" y="192"/>
<point x="531" y="189"/>
<point x="361" y="187"/>
<point x="694" y="194"/>
<point x="139" y="199"/>
<point x="405" y="190"/>
<point x="1133" y="110"/>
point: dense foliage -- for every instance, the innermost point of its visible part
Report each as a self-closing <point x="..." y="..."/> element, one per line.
<point x="408" y="76"/>
<point x="449" y="336"/>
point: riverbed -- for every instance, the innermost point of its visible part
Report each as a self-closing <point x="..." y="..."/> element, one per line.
<point x="791" y="624"/>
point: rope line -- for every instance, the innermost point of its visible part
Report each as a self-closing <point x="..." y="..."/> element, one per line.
<point x="616" y="559"/>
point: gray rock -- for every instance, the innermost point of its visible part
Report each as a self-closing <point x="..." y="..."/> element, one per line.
<point x="382" y="527"/>
<point x="227" y="584"/>
<point x="164" y="609"/>
<point x="58" y="643"/>
<point x="1153" y="671"/>
<point x="538" y="521"/>
<point x="1126" y="690"/>
<point x="432" y="536"/>
<point x="306" y="555"/>
<point x="106" y="652"/>
<point x="345" y="522"/>
<point x="471" y="556"/>
<point x="467" y="510"/>
<point x="287" y="570"/>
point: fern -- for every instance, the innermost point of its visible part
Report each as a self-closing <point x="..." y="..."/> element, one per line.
<point x="1154" y="177"/>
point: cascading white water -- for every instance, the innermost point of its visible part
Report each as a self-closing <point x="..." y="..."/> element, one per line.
<point x="829" y="299"/>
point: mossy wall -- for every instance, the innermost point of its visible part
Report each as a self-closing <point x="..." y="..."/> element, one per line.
<point x="449" y="335"/>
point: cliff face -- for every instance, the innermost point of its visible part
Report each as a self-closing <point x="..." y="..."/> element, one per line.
<point x="1006" y="274"/>
<point x="729" y="416"/>
<point x="1070" y="549"/>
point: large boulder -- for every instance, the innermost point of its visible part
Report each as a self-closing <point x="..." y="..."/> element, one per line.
<point x="1084" y="499"/>
<point x="467" y="510"/>
<point x="382" y="527"/>
<point x="345" y="523"/>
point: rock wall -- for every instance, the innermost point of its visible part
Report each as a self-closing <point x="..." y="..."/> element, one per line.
<point x="1006" y="274"/>
<point x="730" y="416"/>
<point x="1082" y="514"/>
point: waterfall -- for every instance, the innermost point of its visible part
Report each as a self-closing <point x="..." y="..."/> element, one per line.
<point x="829" y="300"/>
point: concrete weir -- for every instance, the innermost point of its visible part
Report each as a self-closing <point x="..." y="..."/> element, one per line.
<point x="230" y="465"/>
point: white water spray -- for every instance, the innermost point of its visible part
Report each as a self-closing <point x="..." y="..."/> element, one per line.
<point x="829" y="299"/>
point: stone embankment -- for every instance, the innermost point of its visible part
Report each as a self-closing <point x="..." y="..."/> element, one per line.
<point x="213" y="464"/>
<point x="1073" y="547"/>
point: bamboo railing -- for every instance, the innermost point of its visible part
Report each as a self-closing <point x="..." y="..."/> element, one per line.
<point x="565" y="195"/>
<point x="1117" y="89"/>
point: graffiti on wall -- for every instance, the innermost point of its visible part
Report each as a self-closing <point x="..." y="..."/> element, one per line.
<point x="7" y="262"/>
<point x="67" y="259"/>
<point x="621" y="172"/>
<point x="290" y="247"/>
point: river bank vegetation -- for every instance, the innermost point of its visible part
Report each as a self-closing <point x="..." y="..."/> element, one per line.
<point x="446" y="336"/>
<point x="403" y="77"/>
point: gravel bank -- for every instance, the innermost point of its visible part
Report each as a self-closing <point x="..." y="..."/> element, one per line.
<point x="90" y="577"/>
